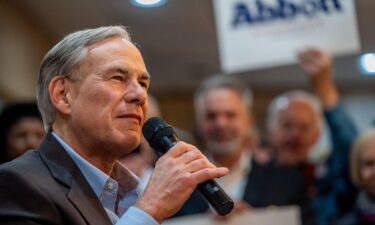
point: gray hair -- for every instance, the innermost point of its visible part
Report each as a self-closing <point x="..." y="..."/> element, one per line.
<point x="223" y="81"/>
<point x="65" y="59"/>
<point x="281" y="102"/>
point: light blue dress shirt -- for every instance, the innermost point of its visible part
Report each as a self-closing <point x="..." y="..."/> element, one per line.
<point x="116" y="193"/>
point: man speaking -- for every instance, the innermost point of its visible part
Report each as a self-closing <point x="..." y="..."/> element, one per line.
<point x="92" y="94"/>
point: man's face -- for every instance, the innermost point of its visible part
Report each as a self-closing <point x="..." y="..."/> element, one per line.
<point x="26" y="134"/>
<point x="224" y="121"/>
<point x="367" y="169"/>
<point x="109" y="99"/>
<point x="296" y="131"/>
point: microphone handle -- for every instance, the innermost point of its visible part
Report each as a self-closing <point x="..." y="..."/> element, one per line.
<point x="216" y="196"/>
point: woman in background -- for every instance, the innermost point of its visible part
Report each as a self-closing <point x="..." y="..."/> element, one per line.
<point x="21" y="129"/>
<point x="363" y="176"/>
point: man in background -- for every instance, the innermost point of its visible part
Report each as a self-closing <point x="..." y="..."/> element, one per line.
<point x="223" y="117"/>
<point x="294" y="124"/>
<point x="21" y="129"/>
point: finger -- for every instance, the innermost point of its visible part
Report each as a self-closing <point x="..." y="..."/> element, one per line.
<point x="320" y="55"/>
<point x="301" y="56"/>
<point x="242" y="205"/>
<point x="325" y="61"/>
<point x="306" y="54"/>
<point x="313" y="54"/>
<point x="209" y="173"/>
<point x="221" y="218"/>
<point x="190" y="156"/>
<point x="305" y="60"/>
<point x="199" y="165"/>
<point x="179" y="149"/>
<point x="314" y="68"/>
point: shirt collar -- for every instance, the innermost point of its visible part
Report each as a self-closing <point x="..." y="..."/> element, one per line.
<point x="243" y="164"/>
<point x="126" y="179"/>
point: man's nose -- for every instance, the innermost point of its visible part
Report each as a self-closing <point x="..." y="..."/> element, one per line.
<point x="295" y="132"/>
<point x="220" y="121"/>
<point x="136" y="94"/>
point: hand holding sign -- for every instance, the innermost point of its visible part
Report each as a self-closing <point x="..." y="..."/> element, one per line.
<point x="317" y="64"/>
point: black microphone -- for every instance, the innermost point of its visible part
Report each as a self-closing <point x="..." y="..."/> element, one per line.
<point x="161" y="137"/>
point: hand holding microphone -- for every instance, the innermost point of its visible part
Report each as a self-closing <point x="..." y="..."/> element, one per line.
<point x="177" y="173"/>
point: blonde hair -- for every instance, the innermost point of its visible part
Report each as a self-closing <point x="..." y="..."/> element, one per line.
<point x="362" y="143"/>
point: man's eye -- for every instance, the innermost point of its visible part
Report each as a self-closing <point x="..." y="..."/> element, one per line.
<point x="143" y="84"/>
<point x="120" y="78"/>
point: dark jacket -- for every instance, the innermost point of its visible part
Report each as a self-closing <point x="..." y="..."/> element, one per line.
<point x="266" y="185"/>
<point x="275" y="185"/>
<point x="46" y="187"/>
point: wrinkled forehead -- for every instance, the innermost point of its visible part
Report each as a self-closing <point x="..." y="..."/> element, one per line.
<point x="222" y="98"/>
<point x="112" y="50"/>
<point x="113" y="45"/>
<point x="368" y="149"/>
<point x="298" y="108"/>
<point x="118" y="39"/>
<point x="296" y="103"/>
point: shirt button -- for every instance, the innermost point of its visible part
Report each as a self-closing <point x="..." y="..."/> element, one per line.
<point x="110" y="185"/>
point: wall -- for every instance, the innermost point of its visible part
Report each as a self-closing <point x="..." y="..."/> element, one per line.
<point x="22" y="47"/>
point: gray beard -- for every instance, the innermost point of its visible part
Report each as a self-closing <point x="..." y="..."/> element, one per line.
<point x="223" y="149"/>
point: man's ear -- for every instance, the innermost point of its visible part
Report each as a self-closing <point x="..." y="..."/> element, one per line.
<point x="59" y="90"/>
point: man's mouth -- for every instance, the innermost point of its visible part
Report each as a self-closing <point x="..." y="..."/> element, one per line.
<point x="132" y="116"/>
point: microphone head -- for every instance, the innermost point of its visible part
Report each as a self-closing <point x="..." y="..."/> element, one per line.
<point x="154" y="130"/>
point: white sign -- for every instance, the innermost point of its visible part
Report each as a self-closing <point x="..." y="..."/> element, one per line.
<point x="286" y="215"/>
<point x="255" y="34"/>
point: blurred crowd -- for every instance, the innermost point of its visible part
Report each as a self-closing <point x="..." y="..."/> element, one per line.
<point x="273" y="172"/>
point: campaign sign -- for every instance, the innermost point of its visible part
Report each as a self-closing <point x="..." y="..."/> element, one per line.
<point x="255" y="34"/>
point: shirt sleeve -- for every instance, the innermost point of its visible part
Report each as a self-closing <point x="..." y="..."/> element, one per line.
<point x="136" y="216"/>
<point x="343" y="133"/>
